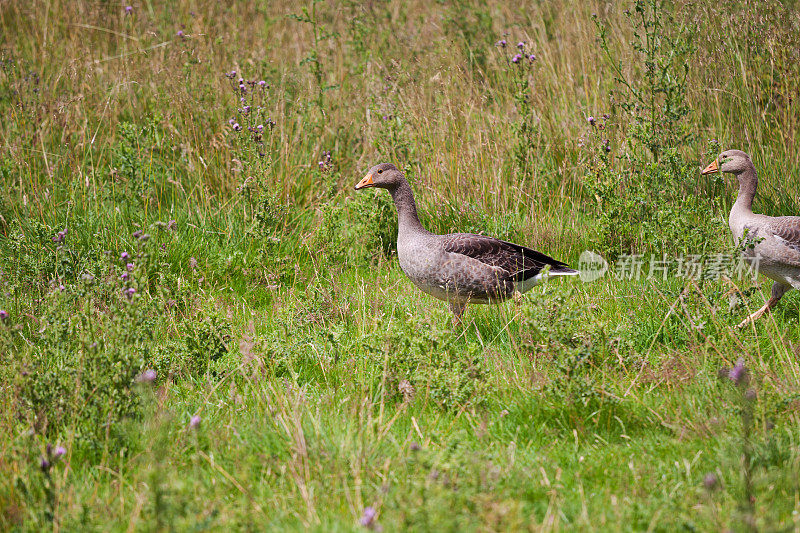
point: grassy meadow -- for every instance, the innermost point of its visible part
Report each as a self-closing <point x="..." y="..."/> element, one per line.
<point x="203" y="327"/>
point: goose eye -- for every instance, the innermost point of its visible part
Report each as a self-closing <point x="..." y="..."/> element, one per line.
<point x="380" y="171"/>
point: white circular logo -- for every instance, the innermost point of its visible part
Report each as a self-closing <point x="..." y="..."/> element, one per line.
<point x="592" y="266"/>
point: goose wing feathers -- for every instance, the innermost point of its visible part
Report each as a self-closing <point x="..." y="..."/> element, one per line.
<point x="520" y="262"/>
<point x="787" y="229"/>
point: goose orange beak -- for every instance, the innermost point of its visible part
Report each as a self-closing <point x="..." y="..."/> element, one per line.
<point x="710" y="169"/>
<point x="366" y="181"/>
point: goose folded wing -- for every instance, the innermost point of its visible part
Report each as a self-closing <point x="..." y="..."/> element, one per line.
<point x="520" y="262"/>
<point x="787" y="231"/>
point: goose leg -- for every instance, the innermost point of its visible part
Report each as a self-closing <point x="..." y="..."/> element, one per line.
<point x="778" y="290"/>
<point x="458" y="309"/>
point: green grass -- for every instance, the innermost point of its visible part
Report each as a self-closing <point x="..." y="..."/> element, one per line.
<point x="269" y="300"/>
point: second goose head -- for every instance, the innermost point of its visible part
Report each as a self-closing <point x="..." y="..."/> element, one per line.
<point x="383" y="175"/>
<point x="732" y="161"/>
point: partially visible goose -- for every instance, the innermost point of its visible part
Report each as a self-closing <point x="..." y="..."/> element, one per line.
<point x="774" y="241"/>
<point x="459" y="268"/>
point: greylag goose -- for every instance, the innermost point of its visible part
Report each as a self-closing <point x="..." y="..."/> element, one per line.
<point x="459" y="268"/>
<point x="771" y="243"/>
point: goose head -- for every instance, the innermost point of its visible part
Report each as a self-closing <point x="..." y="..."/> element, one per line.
<point x="732" y="161"/>
<point x="384" y="175"/>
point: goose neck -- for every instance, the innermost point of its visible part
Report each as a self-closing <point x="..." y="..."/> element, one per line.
<point x="407" y="218"/>
<point x="748" y="182"/>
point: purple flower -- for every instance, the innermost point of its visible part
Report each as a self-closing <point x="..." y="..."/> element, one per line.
<point x="260" y="127"/>
<point x="137" y="234"/>
<point x="148" y="376"/>
<point x="3" y="314"/>
<point x="231" y="122"/>
<point x="172" y="225"/>
<point x="520" y="45"/>
<point x="591" y="120"/>
<point x="236" y="126"/>
<point x="129" y="266"/>
<point x="192" y="263"/>
<point x="44" y="464"/>
<point x="501" y="43"/>
<point x="368" y="517"/>
<point x="59" y="451"/>
<point x="194" y="421"/>
<point x="124" y="255"/>
<point x="180" y="34"/>
<point x="59" y="237"/>
<point x="246" y="109"/>
<point x="532" y="58"/>
<point x="124" y="276"/>
<point x="516" y="58"/>
<point x="738" y="373"/>
<point x="262" y="83"/>
<point x="710" y="481"/>
<point x="415" y="447"/>
<point x="129" y="10"/>
<point x="130" y="292"/>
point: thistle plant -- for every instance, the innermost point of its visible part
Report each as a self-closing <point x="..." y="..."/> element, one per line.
<point x="656" y="101"/>
<point x="250" y="135"/>
<point x="519" y="63"/>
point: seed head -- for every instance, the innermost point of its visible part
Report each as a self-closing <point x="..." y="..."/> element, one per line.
<point x="738" y="374"/>
<point x="148" y="376"/>
<point x="60" y="236"/>
<point x="710" y="481"/>
<point x="368" y="517"/>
